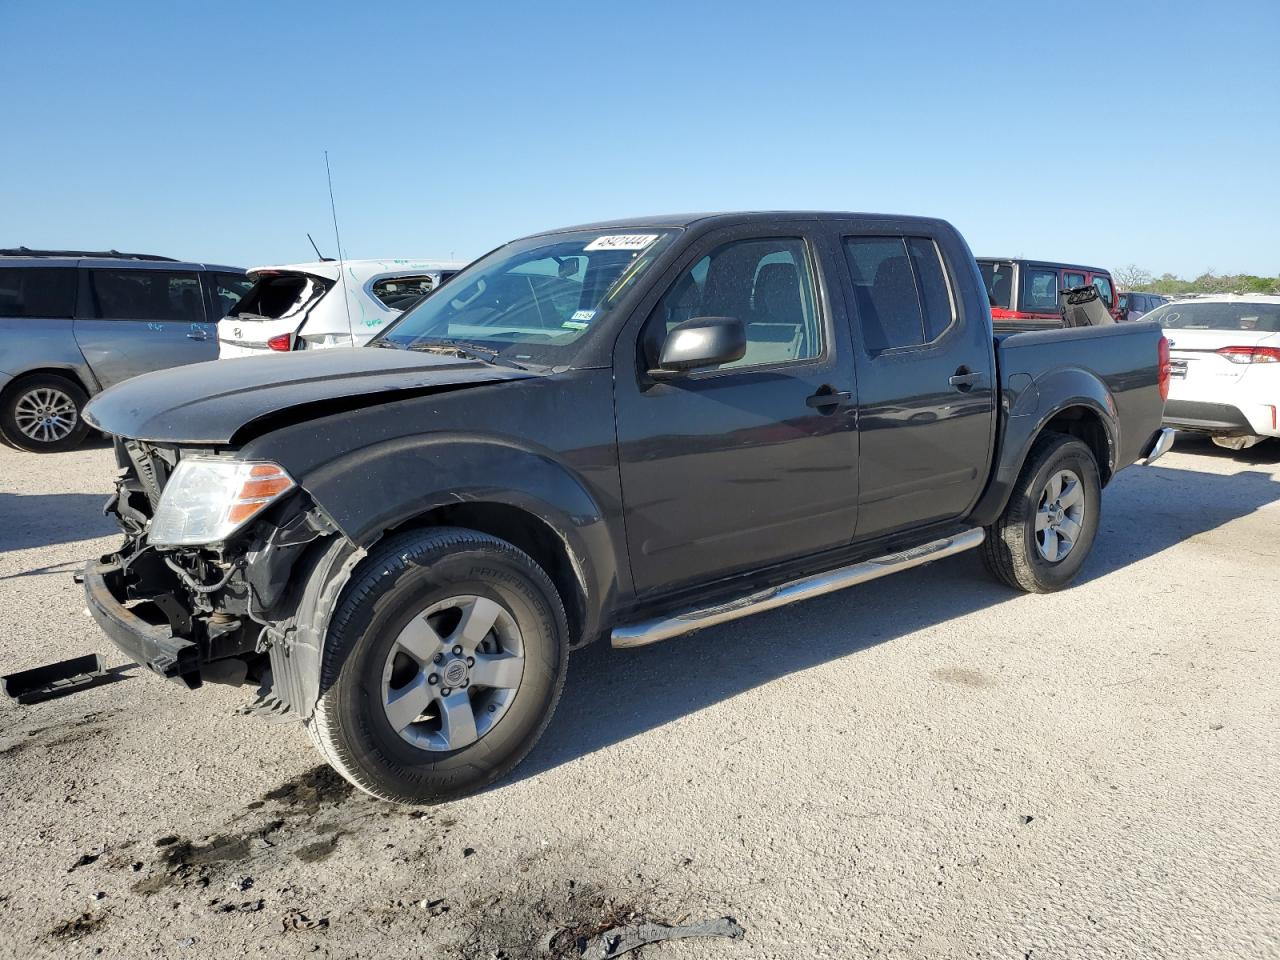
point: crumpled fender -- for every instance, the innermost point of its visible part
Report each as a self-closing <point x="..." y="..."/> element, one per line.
<point x="406" y="477"/>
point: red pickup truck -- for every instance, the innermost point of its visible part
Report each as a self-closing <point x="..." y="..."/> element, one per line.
<point x="1028" y="289"/>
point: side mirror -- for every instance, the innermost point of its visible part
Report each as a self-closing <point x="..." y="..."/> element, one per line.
<point x="701" y="342"/>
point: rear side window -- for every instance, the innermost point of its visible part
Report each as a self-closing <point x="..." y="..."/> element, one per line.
<point x="38" y="292"/>
<point x="1039" y="290"/>
<point x="999" y="280"/>
<point x="900" y="290"/>
<point x="399" y="293"/>
<point x="1072" y="280"/>
<point x="1103" y="284"/>
<point x="146" y="295"/>
<point x="228" y="290"/>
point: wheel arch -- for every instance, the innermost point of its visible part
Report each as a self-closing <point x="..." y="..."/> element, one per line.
<point x="76" y="376"/>
<point x="1086" y="411"/>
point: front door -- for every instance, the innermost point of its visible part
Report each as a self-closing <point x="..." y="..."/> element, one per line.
<point x="925" y="366"/>
<point x="753" y="462"/>
<point x="135" y="320"/>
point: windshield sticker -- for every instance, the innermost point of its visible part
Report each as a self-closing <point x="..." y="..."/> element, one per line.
<point x="621" y="241"/>
<point x="583" y="315"/>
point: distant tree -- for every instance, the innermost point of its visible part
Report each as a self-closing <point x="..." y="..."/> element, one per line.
<point x="1132" y="277"/>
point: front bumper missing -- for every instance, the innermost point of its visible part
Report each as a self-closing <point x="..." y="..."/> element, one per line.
<point x="153" y="646"/>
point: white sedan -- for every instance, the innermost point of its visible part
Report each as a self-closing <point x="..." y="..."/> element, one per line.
<point x="1225" y="367"/>
<point x="308" y="306"/>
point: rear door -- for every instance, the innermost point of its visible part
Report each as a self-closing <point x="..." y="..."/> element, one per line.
<point x="925" y="367"/>
<point x="1038" y="291"/>
<point x="132" y="320"/>
<point x="1105" y="290"/>
<point x="753" y="462"/>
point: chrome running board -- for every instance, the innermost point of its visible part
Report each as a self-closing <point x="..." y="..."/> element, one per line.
<point x="664" y="628"/>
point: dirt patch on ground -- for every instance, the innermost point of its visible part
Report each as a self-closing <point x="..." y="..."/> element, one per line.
<point x="78" y="926"/>
<point x="308" y="792"/>
<point x="963" y="677"/>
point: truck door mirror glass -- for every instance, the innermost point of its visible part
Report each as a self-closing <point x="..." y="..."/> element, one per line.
<point x="701" y="342"/>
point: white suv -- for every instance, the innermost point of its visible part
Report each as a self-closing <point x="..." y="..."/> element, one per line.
<point x="1225" y="358"/>
<point x="302" y="307"/>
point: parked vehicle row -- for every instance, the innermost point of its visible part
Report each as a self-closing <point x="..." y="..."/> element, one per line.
<point x="74" y="322"/>
<point x="628" y="430"/>
<point x="309" y="306"/>
<point x="1134" y="305"/>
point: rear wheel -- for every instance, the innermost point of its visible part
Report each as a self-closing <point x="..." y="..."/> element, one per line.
<point x="1046" y="531"/>
<point x="442" y="666"/>
<point x="41" y="414"/>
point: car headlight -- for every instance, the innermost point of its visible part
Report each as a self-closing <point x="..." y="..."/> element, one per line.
<point x="209" y="498"/>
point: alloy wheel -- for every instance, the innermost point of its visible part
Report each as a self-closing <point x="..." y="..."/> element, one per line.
<point x="46" y="415"/>
<point x="452" y="673"/>
<point x="1059" y="516"/>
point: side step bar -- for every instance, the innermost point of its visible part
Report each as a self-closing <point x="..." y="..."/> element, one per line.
<point x="664" y="628"/>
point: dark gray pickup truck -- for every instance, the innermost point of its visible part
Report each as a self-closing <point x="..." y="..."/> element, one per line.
<point x="629" y="430"/>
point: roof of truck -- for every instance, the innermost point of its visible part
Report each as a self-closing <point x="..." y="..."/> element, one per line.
<point x="727" y="218"/>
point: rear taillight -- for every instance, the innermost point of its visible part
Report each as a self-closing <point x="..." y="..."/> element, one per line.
<point x="279" y="343"/>
<point x="1250" y="354"/>
<point x="1166" y="368"/>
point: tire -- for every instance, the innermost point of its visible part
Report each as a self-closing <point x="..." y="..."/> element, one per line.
<point x="375" y="655"/>
<point x="1022" y="556"/>
<point x="43" y="393"/>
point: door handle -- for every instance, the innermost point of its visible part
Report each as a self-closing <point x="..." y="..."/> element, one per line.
<point x="965" y="379"/>
<point x="828" y="397"/>
<point x="197" y="336"/>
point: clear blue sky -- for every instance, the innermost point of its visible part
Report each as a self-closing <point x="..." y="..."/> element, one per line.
<point x="1103" y="132"/>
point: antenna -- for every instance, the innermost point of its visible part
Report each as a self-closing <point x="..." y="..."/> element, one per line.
<point x="319" y="255"/>
<point x="342" y="268"/>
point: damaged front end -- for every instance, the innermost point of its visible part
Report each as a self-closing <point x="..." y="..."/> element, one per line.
<point x="201" y="587"/>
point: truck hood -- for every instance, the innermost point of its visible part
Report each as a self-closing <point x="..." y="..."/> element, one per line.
<point x="209" y="403"/>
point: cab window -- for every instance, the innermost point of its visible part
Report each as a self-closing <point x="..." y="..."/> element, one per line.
<point x="900" y="291"/>
<point x="767" y="284"/>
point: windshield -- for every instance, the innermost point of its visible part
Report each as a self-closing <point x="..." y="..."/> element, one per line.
<point x="1262" y="317"/>
<point x="531" y="299"/>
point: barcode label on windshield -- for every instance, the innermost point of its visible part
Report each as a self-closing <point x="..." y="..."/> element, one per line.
<point x="621" y="241"/>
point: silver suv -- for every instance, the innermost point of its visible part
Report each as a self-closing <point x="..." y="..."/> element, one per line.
<point x="73" y="323"/>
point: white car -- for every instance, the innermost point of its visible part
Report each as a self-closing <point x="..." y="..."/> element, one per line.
<point x="1225" y="367"/>
<point x="301" y="306"/>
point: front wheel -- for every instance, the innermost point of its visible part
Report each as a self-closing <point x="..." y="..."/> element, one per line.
<point x="442" y="666"/>
<point x="1043" y="537"/>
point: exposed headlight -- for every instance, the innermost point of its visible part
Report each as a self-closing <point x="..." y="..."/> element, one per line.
<point x="209" y="498"/>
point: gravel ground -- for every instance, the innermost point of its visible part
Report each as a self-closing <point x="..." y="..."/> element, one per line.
<point x="929" y="766"/>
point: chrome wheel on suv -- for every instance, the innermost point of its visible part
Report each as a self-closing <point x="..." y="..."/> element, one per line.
<point x="41" y="414"/>
<point x="46" y="415"/>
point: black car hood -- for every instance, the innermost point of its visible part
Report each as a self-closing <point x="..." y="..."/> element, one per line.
<point x="211" y="402"/>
